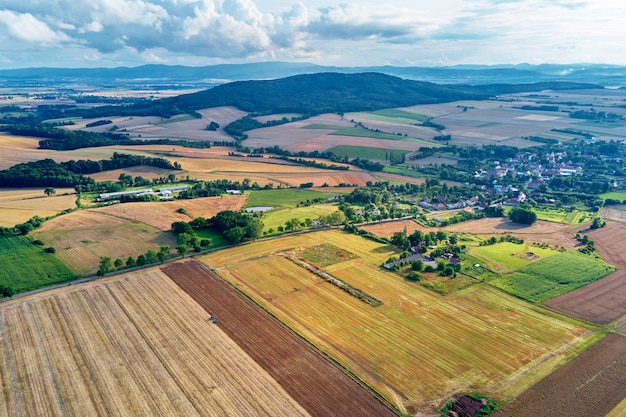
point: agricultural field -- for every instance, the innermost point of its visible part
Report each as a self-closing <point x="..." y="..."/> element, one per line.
<point x="417" y="347"/>
<point x="507" y="256"/>
<point x="387" y="229"/>
<point x="593" y="384"/>
<point x="286" y="198"/>
<point x="366" y="153"/>
<point x="553" y="276"/>
<point x="316" y="383"/>
<point x="134" y="345"/>
<point x="26" y="266"/>
<point x="278" y="217"/>
<point x="604" y="300"/>
<point x="82" y="237"/>
<point x="615" y="195"/>
<point x="162" y="214"/>
<point x="553" y="234"/>
<point x="143" y="171"/>
<point x="17" y="205"/>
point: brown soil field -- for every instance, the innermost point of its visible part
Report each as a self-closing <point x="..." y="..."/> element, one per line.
<point x="132" y="345"/>
<point x="312" y="380"/>
<point x="387" y="229"/>
<point x="540" y="232"/>
<point x="162" y="214"/>
<point x="615" y="212"/>
<point x="17" y="205"/>
<point x="590" y="385"/>
<point x="604" y="300"/>
<point x="82" y="237"/>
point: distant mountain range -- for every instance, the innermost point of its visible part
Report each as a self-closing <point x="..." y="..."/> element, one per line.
<point x="161" y="76"/>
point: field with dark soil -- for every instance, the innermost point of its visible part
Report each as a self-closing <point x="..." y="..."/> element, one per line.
<point x="309" y="378"/>
<point x="590" y="385"/>
<point x="604" y="300"/>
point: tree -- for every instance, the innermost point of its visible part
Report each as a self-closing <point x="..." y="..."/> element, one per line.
<point x="105" y="265"/>
<point x="163" y="252"/>
<point x="414" y="276"/>
<point x="417" y="265"/>
<point x="598" y="222"/>
<point x="182" y="250"/>
<point x="118" y="263"/>
<point x="141" y="260"/>
<point x="151" y="257"/>
<point x="49" y="191"/>
<point x="523" y="215"/>
<point x="130" y="262"/>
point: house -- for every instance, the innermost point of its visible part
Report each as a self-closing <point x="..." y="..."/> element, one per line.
<point x="233" y="192"/>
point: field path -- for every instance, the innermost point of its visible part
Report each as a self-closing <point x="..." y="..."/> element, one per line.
<point x="293" y="363"/>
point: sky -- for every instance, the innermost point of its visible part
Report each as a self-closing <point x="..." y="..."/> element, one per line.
<point x="112" y="33"/>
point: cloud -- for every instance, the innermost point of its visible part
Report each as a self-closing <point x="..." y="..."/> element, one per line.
<point x="26" y="27"/>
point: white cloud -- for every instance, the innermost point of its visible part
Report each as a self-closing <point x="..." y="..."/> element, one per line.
<point x="26" y="27"/>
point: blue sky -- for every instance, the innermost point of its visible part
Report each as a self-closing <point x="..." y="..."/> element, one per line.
<point x="108" y="33"/>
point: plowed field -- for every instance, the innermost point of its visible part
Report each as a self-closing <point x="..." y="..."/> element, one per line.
<point x="134" y="345"/>
<point x="313" y="381"/>
<point x="604" y="300"/>
<point x="590" y="385"/>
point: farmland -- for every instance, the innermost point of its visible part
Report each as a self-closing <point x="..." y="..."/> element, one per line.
<point x="590" y="385"/>
<point x="604" y="300"/>
<point x="553" y="276"/>
<point x="365" y="153"/>
<point x="131" y="345"/>
<point x="19" y="205"/>
<point x="301" y="370"/>
<point x="82" y="237"/>
<point x="417" y="347"/>
<point x="26" y="266"/>
<point x="506" y="256"/>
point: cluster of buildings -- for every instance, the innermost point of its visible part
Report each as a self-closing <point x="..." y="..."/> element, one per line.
<point x="165" y="193"/>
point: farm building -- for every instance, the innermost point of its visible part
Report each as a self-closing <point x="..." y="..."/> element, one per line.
<point x="113" y="196"/>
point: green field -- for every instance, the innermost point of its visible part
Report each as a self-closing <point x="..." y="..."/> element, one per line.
<point x="366" y="133"/>
<point x="183" y="118"/>
<point x="615" y="195"/>
<point x="274" y="218"/>
<point x="322" y="126"/>
<point x="604" y="125"/>
<point x="26" y="266"/>
<point x="365" y="152"/>
<point x="217" y="239"/>
<point x="556" y="215"/>
<point x="391" y="115"/>
<point x="506" y="256"/>
<point x="288" y="197"/>
<point x="553" y="276"/>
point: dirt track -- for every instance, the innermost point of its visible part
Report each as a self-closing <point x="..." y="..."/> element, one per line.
<point x="590" y="385"/>
<point x="604" y="300"/>
<point x="314" y="382"/>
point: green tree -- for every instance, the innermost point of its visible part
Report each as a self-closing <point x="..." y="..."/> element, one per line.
<point x="523" y="215"/>
<point x="130" y="262"/>
<point x="163" y="252"/>
<point x="417" y="265"/>
<point x="182" y="250"/>
<point x="414" y="276"/>
<point x="105" y="265"/>
<point x="141" y="260"/>
<point x="118" y="263"/>
<point x="151" y="257"/>
<point x="49" y="191"/>
<point x="597" y="223"/>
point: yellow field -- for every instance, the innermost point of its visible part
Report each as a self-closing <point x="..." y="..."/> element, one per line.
<point x="82" y="237"/>
<point x="17" y="205"/>
<point x="162" y="214"/>
<point x="619" y="410"/>
<point x="418" y="348"/>
<point x="8" y="141"/>
<point x="131" y="345"/>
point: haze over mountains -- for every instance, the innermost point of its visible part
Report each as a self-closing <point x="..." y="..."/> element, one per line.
<point x="202" y="77"/>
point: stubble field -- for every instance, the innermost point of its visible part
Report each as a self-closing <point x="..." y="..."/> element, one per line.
<point x="82" y="237"/>
<point x="17" y="205"/>
<point x="132" y="345"/>
<point x="418" y="347"/>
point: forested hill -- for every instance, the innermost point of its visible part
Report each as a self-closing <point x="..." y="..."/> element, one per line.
<point x="339" y="93"/>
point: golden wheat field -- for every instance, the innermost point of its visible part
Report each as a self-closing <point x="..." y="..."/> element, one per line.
<point x="133" y="345"/>
<point x="418" y="347"/>
<point x="17" y="205"/>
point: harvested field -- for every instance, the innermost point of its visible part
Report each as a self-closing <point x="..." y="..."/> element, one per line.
<point x="131" y="345"/>
<point x="82" y="237"/>
<point x="387" y="229"/>
<point x="162" y="214"/>
<point x="615" y="212"/>
<point x="604" y="300"/>
<point x="19" y="205"/>
<point x="590" y="385"/>
<point x="308" y="377"/>
<point x="144" y="171"/>
<point x="554" y="234"/>
<point x="417" y="348"/>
